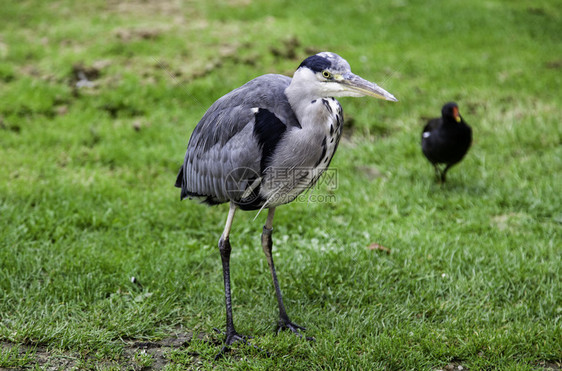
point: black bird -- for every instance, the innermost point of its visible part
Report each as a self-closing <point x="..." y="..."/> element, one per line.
<point x="446" y="139"/>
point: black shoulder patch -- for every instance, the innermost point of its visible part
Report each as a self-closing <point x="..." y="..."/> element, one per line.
<point x="316" y="63"/>
<point x="268" y="130"/>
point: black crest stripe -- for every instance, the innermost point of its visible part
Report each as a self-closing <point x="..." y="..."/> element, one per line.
<point x="316" y="63"/>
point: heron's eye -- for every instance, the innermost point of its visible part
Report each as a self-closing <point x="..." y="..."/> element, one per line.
<point x="327" y="74"/>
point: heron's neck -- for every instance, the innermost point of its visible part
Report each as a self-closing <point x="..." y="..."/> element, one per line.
<point x="299" y="103"/>
<point x="300" y="96"/>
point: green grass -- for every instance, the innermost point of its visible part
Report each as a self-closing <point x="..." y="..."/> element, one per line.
<point x="87" y="198"/>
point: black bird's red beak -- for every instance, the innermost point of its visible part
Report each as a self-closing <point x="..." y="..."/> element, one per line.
<point x="456" y="114"/>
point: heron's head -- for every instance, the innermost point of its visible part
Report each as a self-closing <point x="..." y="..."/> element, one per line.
<point x="450" y="111"/>
<point x="329" y="75"/>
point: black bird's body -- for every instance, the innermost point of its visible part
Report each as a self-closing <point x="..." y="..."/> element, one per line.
<point x="445" y="140"/>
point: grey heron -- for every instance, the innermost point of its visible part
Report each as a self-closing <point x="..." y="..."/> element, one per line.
<point x="263" y="144"/>
<point x="446" y="139"/>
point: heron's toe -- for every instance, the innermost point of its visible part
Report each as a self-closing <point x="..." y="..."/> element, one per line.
<point x="295" y="329"/>
<point x="232" y="338"/>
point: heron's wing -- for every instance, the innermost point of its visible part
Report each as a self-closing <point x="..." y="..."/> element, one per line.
<point x="224" y="155"/>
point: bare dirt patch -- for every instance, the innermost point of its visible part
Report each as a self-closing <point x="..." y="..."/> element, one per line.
<point x="136" y="355"/>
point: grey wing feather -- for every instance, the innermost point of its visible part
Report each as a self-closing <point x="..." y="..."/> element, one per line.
<point x="223" y="151"/>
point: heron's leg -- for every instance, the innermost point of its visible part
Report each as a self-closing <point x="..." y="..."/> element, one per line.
<point x="267" y="244"/>
<point x="225" y="249"/>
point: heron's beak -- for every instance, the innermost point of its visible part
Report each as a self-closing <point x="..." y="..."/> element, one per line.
<point x="360" y="86"/>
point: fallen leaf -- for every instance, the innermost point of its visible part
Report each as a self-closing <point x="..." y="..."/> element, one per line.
<point x="379" y="247"/>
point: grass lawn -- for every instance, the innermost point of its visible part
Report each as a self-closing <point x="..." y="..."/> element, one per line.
<point x="97" y="102"/>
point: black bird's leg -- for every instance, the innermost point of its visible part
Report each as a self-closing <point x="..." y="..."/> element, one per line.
<point x="437" y="172"/>
<point x="267" y="244"/>
<point x="444" y="173"/>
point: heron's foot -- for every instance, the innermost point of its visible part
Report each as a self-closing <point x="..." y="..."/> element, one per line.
<point x="295" y="329"/>
<point x="232" y="338"/>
